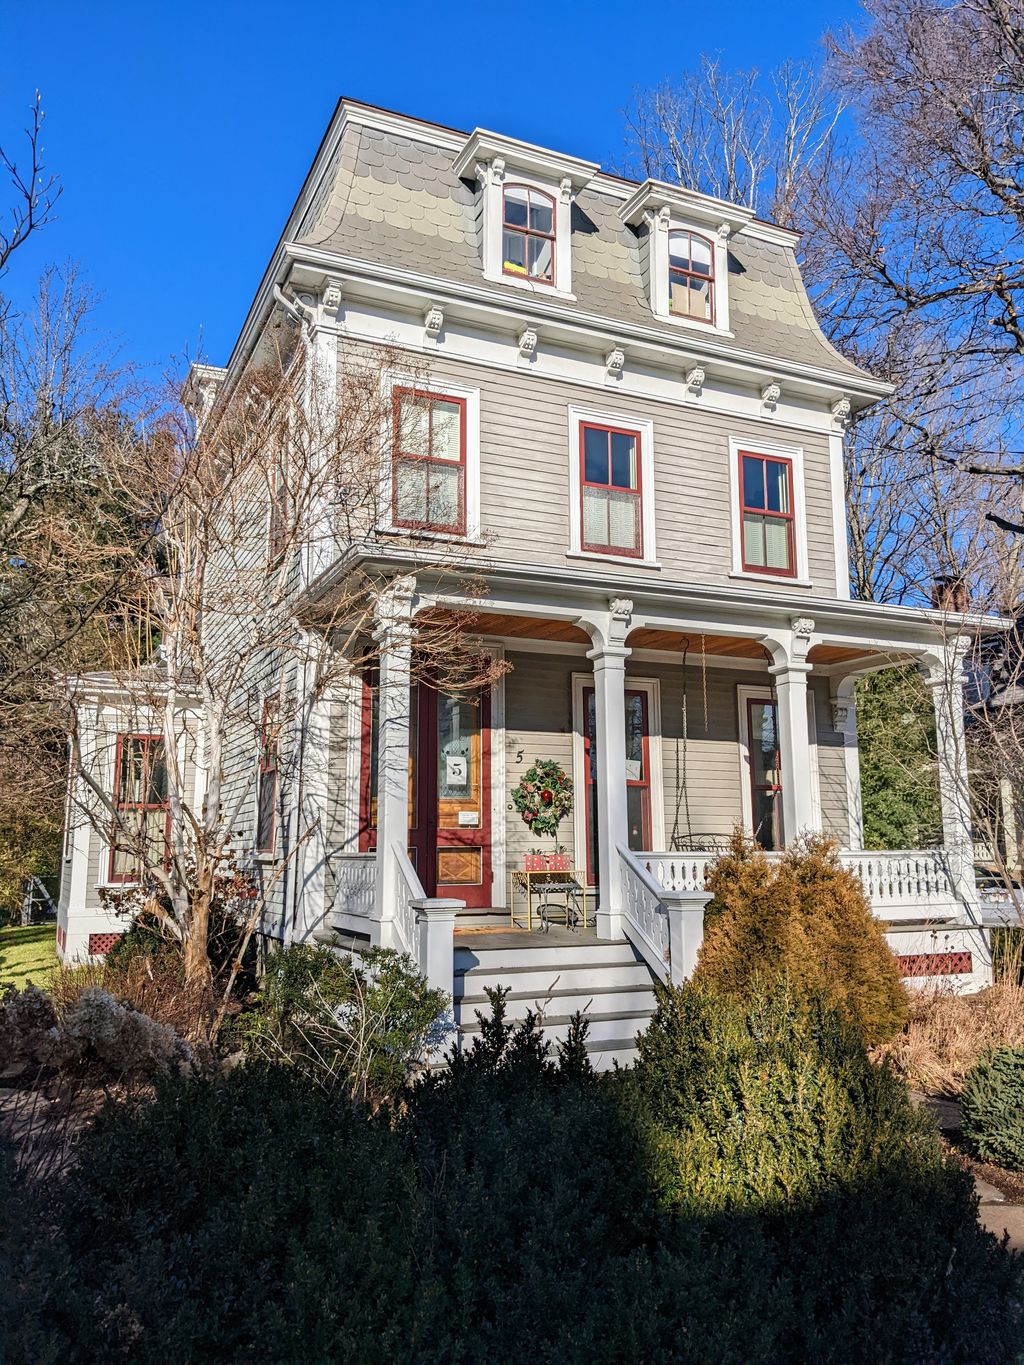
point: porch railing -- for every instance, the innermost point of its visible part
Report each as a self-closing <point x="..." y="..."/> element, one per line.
<point x="645" y="914"/>
<point x="410" y="890"/>
<point x="904" y="884"/>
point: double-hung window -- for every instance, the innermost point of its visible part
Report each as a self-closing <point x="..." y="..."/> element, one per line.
<point x="141" y="799"/>
<point x="610" y="491"/>
<point x="528" y="234"/>
<point x="267" y="778"/>
<point x="767" y="525"/>
<point x="691" y="276"/>
<point x="429" y="464"/>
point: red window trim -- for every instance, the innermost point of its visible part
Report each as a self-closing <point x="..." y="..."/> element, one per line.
<point x="709" y="280"/>
<point x="645" y="783"/>
<point x="127" y="878"/>
<point x="527" y="231"/>
<point x="637" y="492"/>
<point x="788" y="517"/>
<point x="269" y="763"/>
<point x="457" y="528"/>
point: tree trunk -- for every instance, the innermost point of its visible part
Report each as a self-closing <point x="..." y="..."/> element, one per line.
<point x="198" y="969"/>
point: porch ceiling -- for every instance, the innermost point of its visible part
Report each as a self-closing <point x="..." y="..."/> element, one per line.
<point x="670" y="641"/>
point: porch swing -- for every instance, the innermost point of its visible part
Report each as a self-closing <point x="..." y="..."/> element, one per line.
<point x="689" y="842"/>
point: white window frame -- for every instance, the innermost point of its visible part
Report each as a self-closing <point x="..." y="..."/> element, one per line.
<point x="659" y="227"/>
<point x="493" y="196"/>
<point x="746" y="692"/>
<point x="795" y="454"/>
<point x="652" y="688"/>
<point x="645" y="429"/>
<point x="445" y="388"/>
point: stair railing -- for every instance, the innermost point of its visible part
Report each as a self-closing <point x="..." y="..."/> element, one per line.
<point x="665" y="926"/>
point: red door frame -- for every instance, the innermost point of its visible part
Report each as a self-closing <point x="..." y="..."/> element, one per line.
<point x="774" y="787"/>
<point x="588" y="782"/>
<point x="426" y="836"/>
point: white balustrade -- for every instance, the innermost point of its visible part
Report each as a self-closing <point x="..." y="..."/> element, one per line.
<point x="903" y="884"/>
<point x="644" y="914"/>
<point x="410" y="890"/>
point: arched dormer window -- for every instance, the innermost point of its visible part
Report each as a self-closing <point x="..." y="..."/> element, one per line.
<point x="691" y="276"/>
<point x="528" y="234"/>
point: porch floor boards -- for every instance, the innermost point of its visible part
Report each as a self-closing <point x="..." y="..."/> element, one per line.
<point x="476" y="936"/>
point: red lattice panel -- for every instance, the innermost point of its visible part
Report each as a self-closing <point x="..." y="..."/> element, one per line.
<point x="935" y="964"/>
<point x="101" y="943"/>
<point x="62" y="937"/>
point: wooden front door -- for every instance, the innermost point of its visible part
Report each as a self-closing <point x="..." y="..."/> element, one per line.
<point x="638" y="774"/>
<point x="449" y="790"/>
<point x="451" y="838"/>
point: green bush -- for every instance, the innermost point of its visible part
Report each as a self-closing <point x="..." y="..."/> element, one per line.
<point x="992" y="1108"/>
<point x="803" y="917"/>
<point x="360" y="1024"/>
<point x="508" y="1212"/>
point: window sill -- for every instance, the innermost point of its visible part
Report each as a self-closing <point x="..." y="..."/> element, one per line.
<point x="532" y="287"/>
<point x="695" y="325"/>
<point x="613" y="559"/>
<point x="780" y="580"/>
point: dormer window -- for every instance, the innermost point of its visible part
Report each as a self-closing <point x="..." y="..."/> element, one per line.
<point x="684" y="244"/>
<point x="691" y="276"/>
<point x="526" y="198"/>
<point x="528" y="234"/>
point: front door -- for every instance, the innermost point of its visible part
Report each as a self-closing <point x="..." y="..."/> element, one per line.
<point x="638" y="774"/>
<point x="449" y="790"/>
<point x="451" y="839"/>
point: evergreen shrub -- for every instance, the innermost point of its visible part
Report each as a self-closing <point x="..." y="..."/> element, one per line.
<point x="992" y="1108"/>
<point x="806" y="918"/>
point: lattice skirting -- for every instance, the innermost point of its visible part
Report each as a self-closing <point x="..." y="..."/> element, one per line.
<point x="935" y="964"/>
<point x="102" y="943"/>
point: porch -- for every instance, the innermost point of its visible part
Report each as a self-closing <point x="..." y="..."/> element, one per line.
<point x="676" y="723"/>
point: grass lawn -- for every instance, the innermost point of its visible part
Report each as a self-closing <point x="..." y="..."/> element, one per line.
<point x="27" y="954"/>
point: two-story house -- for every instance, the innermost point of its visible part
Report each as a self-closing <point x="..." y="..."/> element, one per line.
<point x="632" y="426"/>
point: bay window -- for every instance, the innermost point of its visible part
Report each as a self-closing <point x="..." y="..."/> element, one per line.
<point x="610" y="491"/>
<point x="142" y="802"/>
<point x="429" y="461"/>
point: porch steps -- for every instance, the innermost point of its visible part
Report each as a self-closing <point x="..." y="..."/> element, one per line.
<point x="607" y="981"/>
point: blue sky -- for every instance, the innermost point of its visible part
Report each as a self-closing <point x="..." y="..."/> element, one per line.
<point x="182" y="131"/>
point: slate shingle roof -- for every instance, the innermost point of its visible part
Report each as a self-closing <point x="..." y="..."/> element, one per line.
<point x="397" y="201"/>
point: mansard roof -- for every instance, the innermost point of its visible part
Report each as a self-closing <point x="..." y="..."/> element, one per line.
<point x="389" y="194"/>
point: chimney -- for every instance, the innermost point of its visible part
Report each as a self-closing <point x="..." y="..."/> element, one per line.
<point x="949" y="593"/>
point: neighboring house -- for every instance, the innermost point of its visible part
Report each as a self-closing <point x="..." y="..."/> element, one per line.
<point x="995" y="719"/>
<point x="633" y="428"/>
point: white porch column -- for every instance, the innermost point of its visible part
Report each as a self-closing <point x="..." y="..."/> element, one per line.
<point x="789" y="670"/>
<point x="943" y="673"/>
<point x="609" y="657"/>
<point x="394" y="636"/>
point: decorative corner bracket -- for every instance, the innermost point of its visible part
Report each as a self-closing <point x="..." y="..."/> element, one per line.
<point x="433" y="321"/>
<point x="695" y="380"/>
<point x="770" y="395"/>
<point x="842" y="410"/>
<point x="528" y="343"/>
<point x="614" y="361"/>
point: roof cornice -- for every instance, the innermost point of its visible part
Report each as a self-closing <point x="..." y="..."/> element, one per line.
<point x="485" y="298"/>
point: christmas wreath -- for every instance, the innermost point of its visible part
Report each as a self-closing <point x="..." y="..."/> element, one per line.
<point x="543" y="797"/>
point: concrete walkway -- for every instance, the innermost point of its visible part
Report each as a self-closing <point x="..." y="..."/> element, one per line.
<point x="995" y="1211"/>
